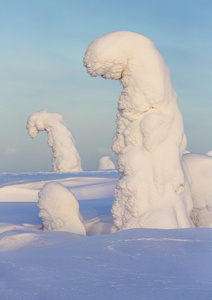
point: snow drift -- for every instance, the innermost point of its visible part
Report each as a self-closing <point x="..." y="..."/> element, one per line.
<point x="59" y="209"/>
<point x="154" y="186"/>
<point x="65" y="155"/>
<point x="106" y="163"/>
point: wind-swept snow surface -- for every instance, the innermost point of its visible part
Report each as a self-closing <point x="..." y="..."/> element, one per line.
<point x="154" y="189"/>
<point x="106" y="163"/>
<point x="59" y="209"/>
<point x="65" y="155"/>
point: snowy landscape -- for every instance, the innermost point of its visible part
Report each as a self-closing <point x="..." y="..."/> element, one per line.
<point x="130" y="264"/>
<point x="143" y="231"/>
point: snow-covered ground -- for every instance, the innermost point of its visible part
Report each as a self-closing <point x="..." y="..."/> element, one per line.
<point x="130" y="264"/>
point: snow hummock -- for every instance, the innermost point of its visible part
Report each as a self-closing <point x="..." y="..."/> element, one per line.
<point x="154" y="186"/>
<point x="105" y="163"/>
<point x="59" y="209"/>
<point x="65" y="155"/>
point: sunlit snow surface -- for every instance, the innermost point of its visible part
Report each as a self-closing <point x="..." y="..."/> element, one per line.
<point x="130" y="264"/>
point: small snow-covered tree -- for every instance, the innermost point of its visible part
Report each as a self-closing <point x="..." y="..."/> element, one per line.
<point x="65" y="155"/>
<point x="59" y="209"/>
<point x="209" y="153"/>
<point x="106" y="163"/>
<point x="153" y="190"/>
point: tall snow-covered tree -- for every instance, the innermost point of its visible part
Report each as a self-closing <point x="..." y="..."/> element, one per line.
<point x="154" y="188"/>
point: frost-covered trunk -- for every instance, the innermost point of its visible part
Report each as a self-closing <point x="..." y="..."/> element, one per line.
<point x="153" y="190"/>
<point x="65" y="155"/>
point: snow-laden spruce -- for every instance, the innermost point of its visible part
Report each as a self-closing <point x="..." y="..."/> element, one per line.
<point x="59" y="209"/>
<point x="154" y="188"/>
<point x="105" y="163"/>
<point x="65" y="155"/>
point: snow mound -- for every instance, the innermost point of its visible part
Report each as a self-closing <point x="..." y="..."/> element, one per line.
<point x="154" y="186"/>
<point x="59" y="209"/>
<point x="105" y="163"/>
<point x="65" y="155"/>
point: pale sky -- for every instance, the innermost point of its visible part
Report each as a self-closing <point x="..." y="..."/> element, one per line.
<point x="42" y="45"/>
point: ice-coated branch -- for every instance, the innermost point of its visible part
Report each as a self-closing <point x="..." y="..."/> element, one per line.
<point x="65" y="155"/>
<point x="154" y="189"/>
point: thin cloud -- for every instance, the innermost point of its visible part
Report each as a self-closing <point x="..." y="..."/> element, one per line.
<point x="11" y="150"/>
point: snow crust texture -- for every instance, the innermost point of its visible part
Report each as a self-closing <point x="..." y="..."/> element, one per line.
<point x="59" y="209"/>
<point x="154" y="186"/>
<point x="105" y="163"/>
<point x="65" y="155"/>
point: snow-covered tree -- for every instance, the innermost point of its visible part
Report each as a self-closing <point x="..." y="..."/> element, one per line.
<point x="59" y="209"/>
<point x="209" y="153"/>
<point x="65" y="155"/>
<point x="200" y="169"/>
<point x="154" y="189"/>
<point x="105" y="163"/>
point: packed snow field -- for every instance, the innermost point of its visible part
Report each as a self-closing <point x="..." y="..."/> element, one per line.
<point x="129" y="264"/>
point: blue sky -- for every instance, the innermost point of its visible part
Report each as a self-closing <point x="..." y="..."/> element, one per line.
<point x="41" y="60"/>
